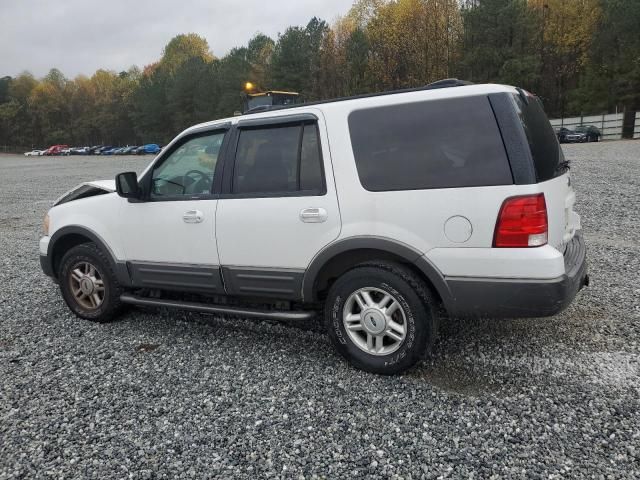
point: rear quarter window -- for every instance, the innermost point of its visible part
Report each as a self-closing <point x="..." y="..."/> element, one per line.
<point x="430" y="144"/>
<point x="543" y="142"/>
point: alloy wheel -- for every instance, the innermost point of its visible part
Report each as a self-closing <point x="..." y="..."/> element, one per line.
<point x="375" y="321"/>
<point x="87" y="285"/>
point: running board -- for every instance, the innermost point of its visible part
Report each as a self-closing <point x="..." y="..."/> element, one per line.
<point x="211" y="308"/>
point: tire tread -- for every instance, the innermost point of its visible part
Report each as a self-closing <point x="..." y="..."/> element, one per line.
<point x="114" y="305"/>
<point x="425" y="296"/>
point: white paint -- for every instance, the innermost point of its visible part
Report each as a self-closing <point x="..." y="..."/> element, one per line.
<point x="157" y="232"/>
<point x="268" y="232"/>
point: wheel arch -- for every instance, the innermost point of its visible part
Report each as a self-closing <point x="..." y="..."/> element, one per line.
<point x="337" y="258"/>
<point x="70" y="236"/>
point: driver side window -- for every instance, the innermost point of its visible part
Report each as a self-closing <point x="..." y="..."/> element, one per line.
<point x="189" y="168"/>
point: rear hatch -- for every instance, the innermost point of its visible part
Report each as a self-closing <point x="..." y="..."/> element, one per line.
<point x="552" y="171"/>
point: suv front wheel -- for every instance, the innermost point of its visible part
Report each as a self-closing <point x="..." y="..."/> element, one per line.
<point x="381" y="317"/>
<point x="88" y="283"/>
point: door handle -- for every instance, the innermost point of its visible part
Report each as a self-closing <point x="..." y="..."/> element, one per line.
<point x="193" y="216"/>
<point x="313" y="215"/>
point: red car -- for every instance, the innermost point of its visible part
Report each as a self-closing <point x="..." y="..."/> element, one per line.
<point x="55" y="149"/>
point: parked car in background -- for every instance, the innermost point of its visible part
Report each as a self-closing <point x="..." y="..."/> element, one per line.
<point x="128" y="150"/>
<point x="79" y="151"/>
<point x="99" y="150"/>
<point x="109" y="150"/>
<point x="124" y="150"/>
<point x="581" y="134"/>
<point x="561" y="133"/>
<point x="575" y="137"/>
<point x="55" y="149"/>
<point x="591" y="133"/>
<point x="149" y="149"/>
<point x="33" y="153"/>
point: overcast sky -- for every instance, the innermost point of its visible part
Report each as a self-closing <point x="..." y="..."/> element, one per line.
<point x="80" y="36"/>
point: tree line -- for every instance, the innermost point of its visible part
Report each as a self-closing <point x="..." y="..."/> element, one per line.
<point x="579" y="56"/>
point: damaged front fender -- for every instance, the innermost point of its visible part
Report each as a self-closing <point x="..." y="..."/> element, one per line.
<point x="87" y="189"/>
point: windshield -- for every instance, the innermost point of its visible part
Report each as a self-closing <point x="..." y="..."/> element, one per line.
<point x="580" y="129"/>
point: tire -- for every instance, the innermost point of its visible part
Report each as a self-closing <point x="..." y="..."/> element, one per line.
<point x="85" y="271"/>
<point x="416" y="311"/>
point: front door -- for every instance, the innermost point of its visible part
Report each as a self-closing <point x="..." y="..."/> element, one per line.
<point x="278" y="207"/>
<point x="169" y="238"/>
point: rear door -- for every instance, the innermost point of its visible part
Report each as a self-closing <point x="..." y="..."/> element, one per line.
<point x="278" y="207"/>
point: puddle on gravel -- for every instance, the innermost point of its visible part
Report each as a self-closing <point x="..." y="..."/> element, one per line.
<point x="476" y="374"/>
<point x="146" y="347"/>
<point x="488" y="357"/>
<point x="456" y="379"/>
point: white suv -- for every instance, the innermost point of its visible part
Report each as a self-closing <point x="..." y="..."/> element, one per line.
<point x="378" y="210"/>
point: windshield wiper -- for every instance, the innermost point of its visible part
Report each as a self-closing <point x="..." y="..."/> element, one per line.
<point x="563" y="166"/>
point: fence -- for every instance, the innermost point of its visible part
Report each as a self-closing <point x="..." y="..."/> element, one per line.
<point x="610" y="125"/>
<point x="636" y="130"/>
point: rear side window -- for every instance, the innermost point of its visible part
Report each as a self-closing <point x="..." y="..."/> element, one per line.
<point x="432" y="144"/>
<point x="278" y="160"/>
<point x="543" y="143"/>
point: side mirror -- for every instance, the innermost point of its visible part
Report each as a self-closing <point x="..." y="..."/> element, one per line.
<point x="127" y="185"/>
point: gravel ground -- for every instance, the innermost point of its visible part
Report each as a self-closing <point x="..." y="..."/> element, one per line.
<point x="178" y="395"/>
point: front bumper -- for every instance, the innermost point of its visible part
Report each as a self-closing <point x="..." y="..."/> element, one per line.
<point x="45" y="262"/>
<point x="47" y="268"/>
<point x="508" y="297"/>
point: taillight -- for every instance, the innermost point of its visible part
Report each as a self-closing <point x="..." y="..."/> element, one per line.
<point x="522" y="222"/>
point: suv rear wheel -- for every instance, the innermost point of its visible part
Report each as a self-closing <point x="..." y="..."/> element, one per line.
<point x="88" y="284"/>
<point x="381" y="317"/>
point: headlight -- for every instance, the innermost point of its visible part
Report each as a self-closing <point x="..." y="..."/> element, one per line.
<point x="45" y="224"/>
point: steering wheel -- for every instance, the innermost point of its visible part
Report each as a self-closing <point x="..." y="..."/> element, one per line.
<point x="202" y="176"/>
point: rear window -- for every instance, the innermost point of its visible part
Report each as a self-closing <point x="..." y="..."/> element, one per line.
<point x="432" y="144"/>
<point x="543" y="143"/>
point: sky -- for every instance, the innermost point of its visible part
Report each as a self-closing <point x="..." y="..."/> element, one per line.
<point x="81" y="36"/>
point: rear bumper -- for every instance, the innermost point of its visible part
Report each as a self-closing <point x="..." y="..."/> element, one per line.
<point x="491" y="297"/>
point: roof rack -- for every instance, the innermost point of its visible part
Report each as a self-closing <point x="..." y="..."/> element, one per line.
<point x="447" y="82"/>
<point x="444" y="83"/>
<point x="263" y="108"/>
<point x="269" y="92"/>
